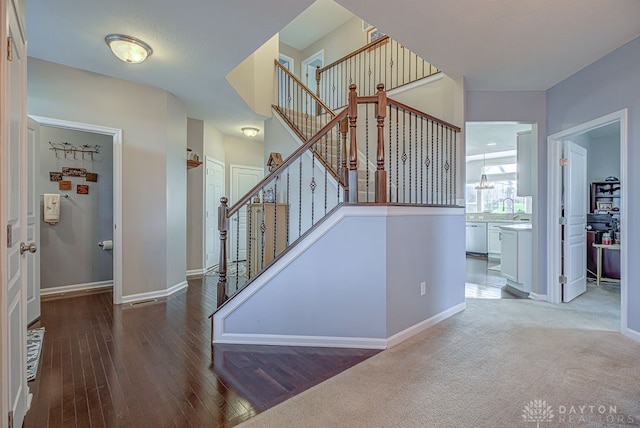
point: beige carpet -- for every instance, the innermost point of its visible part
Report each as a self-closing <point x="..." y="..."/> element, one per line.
<point x="481" y="368"/>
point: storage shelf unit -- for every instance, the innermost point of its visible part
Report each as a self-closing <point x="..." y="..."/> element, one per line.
<point x="605" y="192"/>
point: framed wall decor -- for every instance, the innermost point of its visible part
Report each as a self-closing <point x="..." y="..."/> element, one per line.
<point x="74" y="172"/>
<point x="91" y="176"/>
<point x="64" y="185"/>
<point x="374" y="34"/>
<point x="55" y="176"/>
<point x="604" y="206"/>
<point x="83" y="189"/>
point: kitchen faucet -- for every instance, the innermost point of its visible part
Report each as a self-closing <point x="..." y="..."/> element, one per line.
<point x="505" y="200"/>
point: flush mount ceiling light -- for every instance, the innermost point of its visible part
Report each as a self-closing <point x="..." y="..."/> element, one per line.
<point x="128" y="49"/>
<point x="250" y="131"/>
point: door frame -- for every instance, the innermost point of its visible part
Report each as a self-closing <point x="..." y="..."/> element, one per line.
<point x="116" y="134"/>
<point x="554" y="190"/>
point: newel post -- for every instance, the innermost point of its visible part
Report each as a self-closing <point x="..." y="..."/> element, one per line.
<point x="353" y="148"/>
<point x="344" y="169"/>
<point x="318" y="77"/>
<point x="222" y="266"/>
<point x="381" y="174"/>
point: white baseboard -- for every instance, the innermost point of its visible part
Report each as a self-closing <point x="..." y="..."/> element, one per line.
<point x="196" y="272"/>
<point x="536" y="296"/>
<point x="290" y="340"/>
<point x="632" y="334"/>
<point x="154" y="294"/>
<point x="421" y="326"/>
<point x="75" y="287"/>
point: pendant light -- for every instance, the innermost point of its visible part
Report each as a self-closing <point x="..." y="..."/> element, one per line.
<point x="484" y="183"/>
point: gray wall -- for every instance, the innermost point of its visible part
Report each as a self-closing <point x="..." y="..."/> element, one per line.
<point x="603" y="155"/>
<point x="142" y="113"/>
<point x="176" y="192"/>
<point x="195" y="198"/>
<point x="527" y="107"/>
<point x="69" y="252"/>
<point x="606" y="86"/>
<point x="427" y="248"/>
<point x="368" y="284"/>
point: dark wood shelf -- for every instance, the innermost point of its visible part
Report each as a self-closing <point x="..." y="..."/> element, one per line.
<point x="193" y="163"/>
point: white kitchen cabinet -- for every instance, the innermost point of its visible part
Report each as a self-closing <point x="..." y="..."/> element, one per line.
<point x="476" y="237"/>
<point x="493" y="239"/>
<point x="524" y="144"/>
<point x="516" y="256"/>
<point x="509" y="254"/>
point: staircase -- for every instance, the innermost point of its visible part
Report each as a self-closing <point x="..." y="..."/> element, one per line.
<point x="354" y="149"/>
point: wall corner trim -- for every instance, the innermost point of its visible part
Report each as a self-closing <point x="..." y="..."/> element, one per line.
<point x="423" y="325"/>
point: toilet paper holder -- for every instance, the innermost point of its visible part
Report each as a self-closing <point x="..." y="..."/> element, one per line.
<point x="106" y="245"/>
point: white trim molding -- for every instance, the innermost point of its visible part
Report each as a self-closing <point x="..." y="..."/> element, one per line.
<point x="76" y="287"/>
<point x="632" y="334"/>
<point x="116" y="134"/>
<point x="154" y="294"/>
<point x="422" y="326"/>
<point x="554" y="189"/>
<point x="196" y="272"/>
<point x="536" y="296"/>
<point x="290" y="340"/>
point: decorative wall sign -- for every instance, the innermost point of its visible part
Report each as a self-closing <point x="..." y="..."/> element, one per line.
<point x="83" y="189"/>
<point x="64" y="185"/>
<point x="91" y="176"/>
<point x="74" y="172"/>
<point x="55" y="176"/>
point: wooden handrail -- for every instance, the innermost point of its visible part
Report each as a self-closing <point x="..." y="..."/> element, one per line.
<point x="306" y="146"/>
<point x="418" y="113"/>
<point x="379" y="41"/>
<point x="304" y="87"/>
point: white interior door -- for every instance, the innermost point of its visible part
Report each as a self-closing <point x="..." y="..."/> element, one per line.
<point x="13" y="217"/>
<point x="214" y="182"/>
<point x="574" y="265"/>
<point x="243" y="178"/>
<point x="33" y="221"/>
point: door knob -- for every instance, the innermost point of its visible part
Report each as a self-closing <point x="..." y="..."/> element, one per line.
<point x="32" y="248"/>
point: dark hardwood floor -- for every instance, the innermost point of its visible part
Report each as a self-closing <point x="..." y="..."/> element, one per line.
<point x="152" y="364"/>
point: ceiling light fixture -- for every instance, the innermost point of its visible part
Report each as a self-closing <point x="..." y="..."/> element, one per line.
<point x="491" y="144"/>
<point x="484" y="183"/>
<point x="250" y="131"/>
<point x="128" y="49"/>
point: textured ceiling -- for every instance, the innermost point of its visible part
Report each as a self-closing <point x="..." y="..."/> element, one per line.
<point x="494" y="44"/>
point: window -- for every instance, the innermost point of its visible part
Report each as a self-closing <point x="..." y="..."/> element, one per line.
<point x="503" y="197"/>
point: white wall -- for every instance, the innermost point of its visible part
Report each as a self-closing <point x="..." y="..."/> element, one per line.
<point x="153" y="234"/>
<point x="255" y="78"/>
<point x="343" y="40"/>
<point x="69" y="251"/>
<point x="606" y="86"/>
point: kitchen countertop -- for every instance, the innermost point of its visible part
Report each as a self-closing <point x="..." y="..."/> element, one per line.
<point x="499" y="218"/>
<point x="517" y="226"/>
